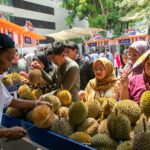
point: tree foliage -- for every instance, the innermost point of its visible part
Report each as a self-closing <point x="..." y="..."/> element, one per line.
<point x="107" y="14"/>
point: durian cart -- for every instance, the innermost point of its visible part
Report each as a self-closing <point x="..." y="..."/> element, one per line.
<point x="44" y="138"/>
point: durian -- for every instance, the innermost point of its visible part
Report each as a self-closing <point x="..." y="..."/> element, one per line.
<point x="142" y="140"/>
<point x="16" y="78"/>
<point x="103" y="141"/>
<point x="63" y="111"/>
<point x="103" y="127"/>
<point x="94" y="109"/>
<point x="54" y="100"/>
<point x="119" y="126"/>
<point x="37" y="93"/>
<point x="127" y="145"/>
<point x="65" y="97"/>
<point x="7" y="81"/>
<point x="128" y="108"/>
<point x="27" y="96"/>
<point x="145" y="103"/>
<point x="14" y="112"/>
<point x="89" y="126"/>
<point x="23" y="88"/>
<point x="78" y="113"/>
<point x="62" y="126"/>
<point x="34" y="76"/>
<point x="43" y="116"/>
<point x="81" y="137"/>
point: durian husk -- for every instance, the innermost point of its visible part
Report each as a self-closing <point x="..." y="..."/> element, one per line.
<point x="37" y="93"/>
<point x="65" y="97"/>
<point x="53" y="100"/>
<point x="128" y="108"/>
<point x="119" y="126"/>
<point x="78" y="112"/>
<point x="94" y="109"/>
<point x="103" y="127"/>
<point x="43" y="116"/>
<point x="63" y="111"/>
<point x="81" y="137"/>
<point x="34" y="76"/>
<point x="23" y="88"/>
<point x="127" y="145"/>
<point x="103" y="141"/>
<point x="27" y="96"/>
<point x="145" y="103"/>
<point x="62" y="126"/>
<point x="16" y="78"/>
<point x="89" y="126"/>
<point x="7" y="81"/>
<point x="14" y="112"/>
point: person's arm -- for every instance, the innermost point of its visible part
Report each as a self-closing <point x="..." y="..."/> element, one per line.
<point x="49" y="79"/>
<point x="20" y="103"/>
<point x="124" y="87"/>
<point x="13" y="133"/>
<point x="70" y="77"/>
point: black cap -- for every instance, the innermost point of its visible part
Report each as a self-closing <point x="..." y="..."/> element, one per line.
<point x="6" y="42"/>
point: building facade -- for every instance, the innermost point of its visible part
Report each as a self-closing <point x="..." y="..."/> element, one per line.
<point x="46" y="15"/>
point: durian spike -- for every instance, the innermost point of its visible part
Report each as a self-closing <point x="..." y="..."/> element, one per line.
<point x="144" y="124"/>
<point x="110" y="102"/>
<point x="58" y="114"/>
<point x="116" y="111"/>
<point x="62" y="87"/>
<point x="95" y="96"/>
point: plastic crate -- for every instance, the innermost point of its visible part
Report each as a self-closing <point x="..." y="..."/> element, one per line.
<point x="47" y="139"/>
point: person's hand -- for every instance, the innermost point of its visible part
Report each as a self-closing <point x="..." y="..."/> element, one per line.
<point x="36" y="65"/>
<point x="81" y="94"/>
<point x="25" y="81"/>
<point x="15" y="133"/>
<point x="24" y="74"/>
<point x="124" y="79"/>
<point x="41" y="101"/>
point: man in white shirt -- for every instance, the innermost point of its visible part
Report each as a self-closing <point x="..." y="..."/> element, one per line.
<point x="7" y="53"/>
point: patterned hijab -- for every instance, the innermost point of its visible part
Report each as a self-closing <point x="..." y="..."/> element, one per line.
<point x="105" y="83"/>
<point x="141" y="47"/>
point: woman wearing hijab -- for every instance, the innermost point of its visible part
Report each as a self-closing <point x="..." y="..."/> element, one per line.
<point x="137" y="84"/>
<point x="104" y="84"/>
<point x="134" y="52"/>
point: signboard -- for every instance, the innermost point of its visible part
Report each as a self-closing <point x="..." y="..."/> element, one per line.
<point x="124" y="41"/>
<point x="130" y="32"/>
<point x="27" y="40"/>
<point x="92" y="44"/>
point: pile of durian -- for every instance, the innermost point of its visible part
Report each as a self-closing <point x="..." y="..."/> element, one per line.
<point x="12" y="79"/>
<point x="104" y="123"/>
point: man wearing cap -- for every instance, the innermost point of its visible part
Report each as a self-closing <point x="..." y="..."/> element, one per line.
<point x="86" y="71"/>
<point x="7" y="53"/>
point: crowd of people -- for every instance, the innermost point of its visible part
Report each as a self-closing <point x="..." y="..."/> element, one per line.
<point x="87" y="77"/>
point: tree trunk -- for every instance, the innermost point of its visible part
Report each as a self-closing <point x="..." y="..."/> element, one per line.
<point x="148" y="30"/>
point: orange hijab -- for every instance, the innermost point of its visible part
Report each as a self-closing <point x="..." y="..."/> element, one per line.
<point x="105" y="83"/>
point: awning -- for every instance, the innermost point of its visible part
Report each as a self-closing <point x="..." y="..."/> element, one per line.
<point x="74" y="33"/>
<point x="34" y="35"/>
<point x="10" y="26"/>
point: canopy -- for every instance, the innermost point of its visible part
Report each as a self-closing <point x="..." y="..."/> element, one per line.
<point x="11" y="26"/>
<point x="74" y="33"/>
<point x="34" y="35"/>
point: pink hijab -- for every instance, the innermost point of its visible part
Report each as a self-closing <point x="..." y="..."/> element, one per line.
<point x="140" y="47"/>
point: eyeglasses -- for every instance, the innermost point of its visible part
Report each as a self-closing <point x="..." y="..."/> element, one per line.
<point x="132" y="55"/>
<point x="99" y="69"/>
